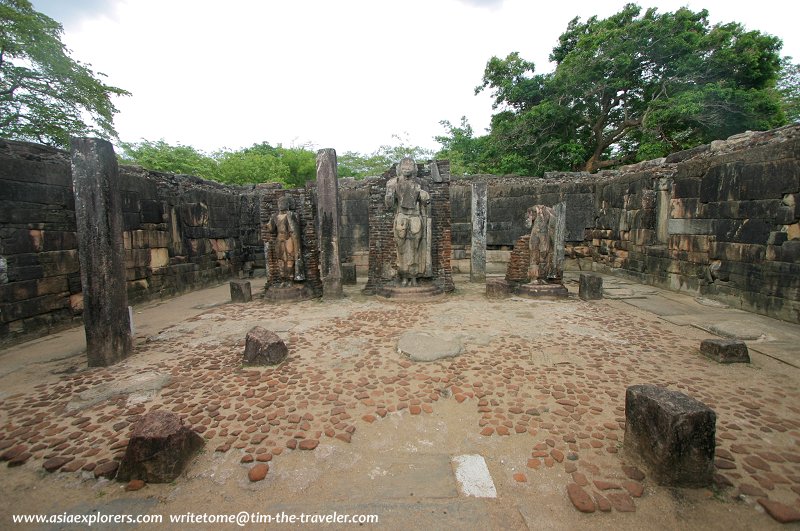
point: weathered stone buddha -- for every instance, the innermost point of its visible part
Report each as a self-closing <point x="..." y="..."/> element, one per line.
<point x="543" y="223"/>
<point x="285" y="226"/>
<point x="411" y="204"/>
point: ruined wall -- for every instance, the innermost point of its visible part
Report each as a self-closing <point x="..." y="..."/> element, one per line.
<point x="720" y="221"/>
<point x="181" y="233"/>
<point x="40" y="281"/>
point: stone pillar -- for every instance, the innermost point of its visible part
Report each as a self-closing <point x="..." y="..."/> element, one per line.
<point x="477" y="270"/>
<point x="98" y="213"/>
<point x="328" y="219"/>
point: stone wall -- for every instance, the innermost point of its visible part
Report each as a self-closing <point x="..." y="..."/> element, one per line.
<point x="180" y="233"/>
<point x="720" y="221"/>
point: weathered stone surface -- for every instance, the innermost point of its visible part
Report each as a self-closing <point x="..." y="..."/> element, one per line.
<point x="672" y="434"/>
<point x="779" y="511"/>
<point x="725" y="350"/>
<point x="258" y="472"/>
<point x="580" y="498"/>
<point x="423" y="346"/>
<point x="329" y="219"/>
<point x="54" y="463"/>
<point x="264" y="347"/>
<point x="160" y="447"/>
<point x="349" y="277"/>
<point x="477" y="271"/>
<point x="498" y="288"/>
<point x="98" y="211"/>
<point x="590" y="287"/>
<point x="240" y="291"/>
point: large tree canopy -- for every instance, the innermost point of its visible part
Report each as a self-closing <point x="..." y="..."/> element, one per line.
<point x="630" y="87"/>
<point x="45" y="95"/>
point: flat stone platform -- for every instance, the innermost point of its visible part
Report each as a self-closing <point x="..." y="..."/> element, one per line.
<point x="537" y="392"/>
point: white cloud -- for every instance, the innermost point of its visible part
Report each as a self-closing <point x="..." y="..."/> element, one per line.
<point x="343" y="74"/>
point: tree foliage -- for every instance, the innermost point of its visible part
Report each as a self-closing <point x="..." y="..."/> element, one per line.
<point x="630" y="87"/>
<point x="45" y="95"/>
<point x="258" y="163"/>
<point x="354" y="164"/>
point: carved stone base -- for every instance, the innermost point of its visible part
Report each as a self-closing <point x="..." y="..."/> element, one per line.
<point x="542" y="291"/>
<point x="293" y="293"/>
<point x="498" y="288"/>
<point x="411" y="293"/>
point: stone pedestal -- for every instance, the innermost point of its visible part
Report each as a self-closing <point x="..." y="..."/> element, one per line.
<point x="535" y="290"/>
<point x="159" y="448"/>
<point x="672" y="434"/>
<point x="725" y="350"/>
<point x="98" y="214"/>
<point x="590" y="287"/>
<point x="328" y="219"/>
<point x="240" y="291"/>
<point x="264" y="347"/>
<point x="421" y="292"/>
<point x="293" y="293"/>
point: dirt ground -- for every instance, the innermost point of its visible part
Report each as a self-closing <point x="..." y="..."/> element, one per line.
<point x="538" y="391"/>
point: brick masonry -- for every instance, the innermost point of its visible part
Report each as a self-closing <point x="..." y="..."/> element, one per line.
<point x="305" y="207"/>
<point x="382" y="251"/>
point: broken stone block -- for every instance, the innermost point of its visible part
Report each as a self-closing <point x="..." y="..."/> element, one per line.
<point x="240" y="291"/>
<point x="349" y="273"/>
<point x="264" y="347"/>
<point x="671" y="434"/>
<point x="590" y="287"/>
<point x="159" y="448"/>
<point x="725" y="350"/>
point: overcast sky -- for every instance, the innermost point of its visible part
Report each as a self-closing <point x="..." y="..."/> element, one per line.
<point x="345" y="74"/>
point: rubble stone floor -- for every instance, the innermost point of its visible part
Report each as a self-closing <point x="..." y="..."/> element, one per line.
<point x="348" y="423"/>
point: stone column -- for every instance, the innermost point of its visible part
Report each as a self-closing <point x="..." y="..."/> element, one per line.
<point x="98" y="212"/>
<point x="477" y="270"/>
<point x="328" y="219"/>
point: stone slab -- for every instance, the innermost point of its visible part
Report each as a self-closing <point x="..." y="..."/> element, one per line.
<point x="139" y="383"/>
<point x="473" y="476"/>
<point x="424" y="346"/>
<point x="427" y="476"/>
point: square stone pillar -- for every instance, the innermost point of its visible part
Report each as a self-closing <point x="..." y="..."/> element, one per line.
<point x="328" y="219"/>
<point x="98" y="213"/>
<point x="477" y="270"/>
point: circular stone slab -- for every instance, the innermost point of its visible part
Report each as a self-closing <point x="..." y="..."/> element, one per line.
<point x="423" y="346"/>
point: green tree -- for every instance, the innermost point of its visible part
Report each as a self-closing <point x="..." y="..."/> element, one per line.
<point x="256" y="164"/>
<point x="354" y="164"/>
<point x="631" y="87"/>
<point x="44" y="93"/>
<point x="161" y="156"/>
<point x="789" y="89"/>
<point x="467" y="153"/>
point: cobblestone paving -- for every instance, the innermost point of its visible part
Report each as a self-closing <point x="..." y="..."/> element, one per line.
<point x="553" y="373"/>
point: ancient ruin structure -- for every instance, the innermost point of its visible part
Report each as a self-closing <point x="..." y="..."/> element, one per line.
<point x="536" y="268"/>
<point x="411" y="224"/>
<point x="410" y="231"/>
<point x="721" y="221"/>
<point x="290" y="246"/>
